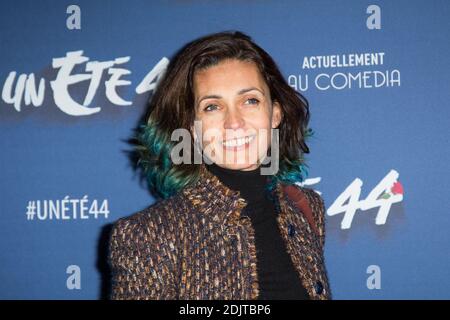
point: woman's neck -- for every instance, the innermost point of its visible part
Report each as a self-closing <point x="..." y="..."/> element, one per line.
<point x="251" y="184"/>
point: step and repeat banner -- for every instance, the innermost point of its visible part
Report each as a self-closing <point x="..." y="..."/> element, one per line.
<point x="75" y="79"/>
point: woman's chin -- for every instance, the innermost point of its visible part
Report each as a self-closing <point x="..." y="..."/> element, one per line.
<point x="230" y="161"/>
<point x="239" y="166"/>
<point x="245" y="158"/>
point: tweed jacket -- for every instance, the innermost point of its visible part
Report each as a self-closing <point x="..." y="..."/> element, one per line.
<point x="196" y="245"/>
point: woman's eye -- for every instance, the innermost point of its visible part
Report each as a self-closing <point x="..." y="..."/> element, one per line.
<point x="253" y="101"/>
<point x="210" y="107"/>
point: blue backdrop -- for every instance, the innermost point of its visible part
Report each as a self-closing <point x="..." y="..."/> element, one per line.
<point x="75" y="77"/>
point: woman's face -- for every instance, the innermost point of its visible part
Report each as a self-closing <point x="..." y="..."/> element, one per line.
<point x="236" y="114"/>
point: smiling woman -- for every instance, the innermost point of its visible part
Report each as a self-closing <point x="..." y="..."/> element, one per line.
<point x="225" y="228"/>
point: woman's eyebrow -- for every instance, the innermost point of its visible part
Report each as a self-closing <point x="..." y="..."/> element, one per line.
<point x="240" y="92"/>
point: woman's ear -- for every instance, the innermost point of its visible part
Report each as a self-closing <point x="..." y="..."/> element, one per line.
<point x="277" y="114"/>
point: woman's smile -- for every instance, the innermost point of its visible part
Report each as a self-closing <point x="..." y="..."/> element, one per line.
<point x="237" y="143"/>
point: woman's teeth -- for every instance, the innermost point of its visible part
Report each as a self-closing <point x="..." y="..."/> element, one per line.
<point x="238" y="142"/>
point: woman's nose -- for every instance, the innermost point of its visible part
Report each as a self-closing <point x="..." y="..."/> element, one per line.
<point x="233" y="120"/>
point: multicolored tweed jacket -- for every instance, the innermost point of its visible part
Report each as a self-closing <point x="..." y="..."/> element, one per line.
<point x="196" y="245"/>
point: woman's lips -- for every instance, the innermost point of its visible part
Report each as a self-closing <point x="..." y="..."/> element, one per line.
<point x="238" y="143"/>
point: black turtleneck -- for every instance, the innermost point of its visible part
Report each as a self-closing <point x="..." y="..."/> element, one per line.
<point x="277" y="276"/>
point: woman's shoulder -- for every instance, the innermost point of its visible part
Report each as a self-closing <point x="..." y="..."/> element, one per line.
<point x="153" y="219"/>
<point x="144" y="235"/>
<point x="307" y="195"/>
<point x="314" y="198"/>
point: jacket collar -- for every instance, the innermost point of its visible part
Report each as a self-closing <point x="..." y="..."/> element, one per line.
<point x="210" y="196"/>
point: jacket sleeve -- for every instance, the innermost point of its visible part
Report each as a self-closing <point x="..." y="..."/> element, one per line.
<point x="317" y="206"/>
<point x="139" y="260"/>
<point x="311" y="205"/>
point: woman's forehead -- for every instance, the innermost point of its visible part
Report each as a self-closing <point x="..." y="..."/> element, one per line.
<point x="229" y="75"/>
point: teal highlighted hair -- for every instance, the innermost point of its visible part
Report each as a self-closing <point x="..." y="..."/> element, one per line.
<point x="291" y="171"/>
<point x="163" y="177"/>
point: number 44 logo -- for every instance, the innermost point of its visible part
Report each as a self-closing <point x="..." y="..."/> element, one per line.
<point x="386" y="193"/>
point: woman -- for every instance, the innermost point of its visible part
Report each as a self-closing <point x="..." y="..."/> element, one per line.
<point x="236" y="225"/>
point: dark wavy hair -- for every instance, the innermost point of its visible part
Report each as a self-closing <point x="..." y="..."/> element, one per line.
<point x="172" y="107"/>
